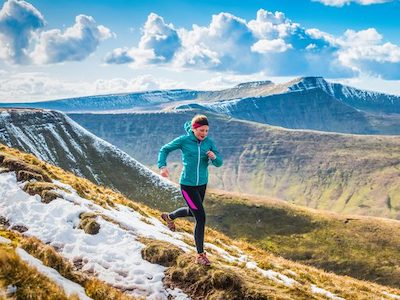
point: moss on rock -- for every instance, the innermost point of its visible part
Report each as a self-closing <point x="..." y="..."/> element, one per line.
<point x="19" y="228"/>
<point x="161" y="253"/>
<point x="23" y="175"/>
<point x="17" y="165"/>
<point x="44" y="189"/>
<point x="88" y="223"/>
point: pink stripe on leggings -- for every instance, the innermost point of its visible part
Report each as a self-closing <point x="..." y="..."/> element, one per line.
<point x="191" y="204"/>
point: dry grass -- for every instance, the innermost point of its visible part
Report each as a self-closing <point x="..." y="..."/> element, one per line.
<point x="161" y="253"/>
<point x="45" y="190"/>
<point x="29" y="282"/>
<point x="23" y="175"/>
<point x="15" y="164"/>
<point x="220" y="281"/>
<point x="94" y="287"/>
<point x="344" y="286"/>
<point x="88" y="223"/>
<point x="215" y="282"/>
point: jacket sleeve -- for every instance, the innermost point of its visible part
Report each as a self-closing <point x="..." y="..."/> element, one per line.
<point x="166" y="149"/>
<point x="218" y="160"/>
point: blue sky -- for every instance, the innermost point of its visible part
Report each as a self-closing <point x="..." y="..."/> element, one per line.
<point x="58" y="49"/>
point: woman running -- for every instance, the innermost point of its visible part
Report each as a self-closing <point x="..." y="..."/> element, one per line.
<point x="198" y="151"/>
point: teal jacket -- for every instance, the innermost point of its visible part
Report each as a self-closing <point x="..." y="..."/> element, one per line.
<point x="194" y="157"/>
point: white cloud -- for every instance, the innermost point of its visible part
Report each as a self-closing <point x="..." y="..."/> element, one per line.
<point x="137" y="57"/>
<point x="270" y="43"/>
<point x="340" y="3"/>
<point x="139" y="83"/>
<point x="223" y="45"/>
<point x="268" y="25"/>
<point x="158" y="44"/>
<point x="23" y="41"/>
<point x="74" y="44"/>
<point x="19" y="20"/>
<point x="35" y="86"/>
<point x="265" y="46"/>
<point x="362" y="37"/>
<point x="320" y="35"/>
<point x="27" y="87"/>
<point x="364" y="52"/>
<point x="223" y="80"/>
<point x="119" y="56"/>
<point x="311" y="46"/>
<point x="160" y="37"/>
<point x="372" y="84"/>
<point x="212" y="47"/>
<point x="199" y="56"/>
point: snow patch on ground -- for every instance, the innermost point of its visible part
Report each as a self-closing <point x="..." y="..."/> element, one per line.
<point x="113" y="255"/>
<point x="391" y="295"/>
<point x="275" y="276"/>
<point x="68" y="286"/>
<point x="4" y="240"/>
<point x="317" y="290"/>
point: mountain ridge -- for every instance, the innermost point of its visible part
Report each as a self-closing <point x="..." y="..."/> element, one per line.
<point x="132" y="99"/>
<point x="56" y="138"/>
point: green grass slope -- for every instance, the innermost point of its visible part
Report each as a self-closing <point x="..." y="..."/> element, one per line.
<point x="346" y="173"/>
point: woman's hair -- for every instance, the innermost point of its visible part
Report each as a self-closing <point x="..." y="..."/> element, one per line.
<point x="200" y="119"/>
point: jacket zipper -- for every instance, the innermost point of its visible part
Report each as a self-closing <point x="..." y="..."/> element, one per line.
<point x="198" y="162"/>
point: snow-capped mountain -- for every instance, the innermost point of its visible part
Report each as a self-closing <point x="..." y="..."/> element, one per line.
<point x="57" y="139"/>
<point x="165" y="99"/>
<point x="360" y="99"/>
<point x="242" y="90"/>
<point x="313" y="103"/>
<point x="111" y="102"/>
<point x="300" y="109"/>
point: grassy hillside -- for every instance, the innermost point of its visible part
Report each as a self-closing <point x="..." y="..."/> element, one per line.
<point x="362" y="247"/>
<point x="346" y="173"/>
<point x="234" y="279"/>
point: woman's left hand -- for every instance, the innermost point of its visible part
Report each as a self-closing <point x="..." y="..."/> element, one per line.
<point x="211" y="155"/>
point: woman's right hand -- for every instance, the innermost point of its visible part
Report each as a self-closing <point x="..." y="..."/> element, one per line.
<point x="164" y="172"/>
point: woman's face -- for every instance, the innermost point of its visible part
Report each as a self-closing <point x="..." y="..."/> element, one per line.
<point x="200" y="132"/>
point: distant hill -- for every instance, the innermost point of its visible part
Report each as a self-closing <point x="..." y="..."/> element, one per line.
<point x="110" y="102"/>
<point x="55" y="138"/>
<point x="304" y="109"/>
<point x="312" y="103"/>
<point x="369" y="101"/>
<point x="338" y="172"/>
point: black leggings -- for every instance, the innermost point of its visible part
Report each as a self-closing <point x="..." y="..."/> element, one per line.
<point x="194" y="196"/>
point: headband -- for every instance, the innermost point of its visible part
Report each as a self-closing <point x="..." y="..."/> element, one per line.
<point x="199" y="124"/>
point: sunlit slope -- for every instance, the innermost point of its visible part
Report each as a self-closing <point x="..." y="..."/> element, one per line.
<point x="344" y="173"/>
